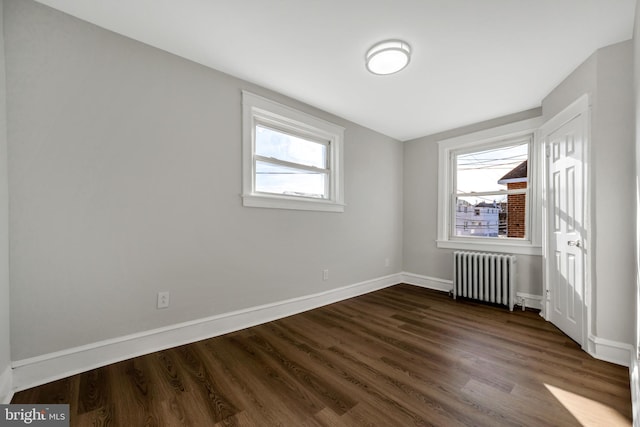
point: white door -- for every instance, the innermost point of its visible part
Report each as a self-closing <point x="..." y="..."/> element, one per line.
<point x="565" y="145"/>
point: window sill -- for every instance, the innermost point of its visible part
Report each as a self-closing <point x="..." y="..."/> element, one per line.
<point x="524" y="248"/>
<point x="259" y="201"/>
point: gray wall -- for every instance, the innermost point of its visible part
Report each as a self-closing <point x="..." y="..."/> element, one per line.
<point x="636" y="85"/>
<point x="125" y="180"/>
<point x="5" y="356"/>
<point x="421" y="256"/>
<point x="608" y="77"/>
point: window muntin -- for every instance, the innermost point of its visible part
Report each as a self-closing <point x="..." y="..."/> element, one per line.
<point x="291" y="160"/>
<point x="491" y="182"/>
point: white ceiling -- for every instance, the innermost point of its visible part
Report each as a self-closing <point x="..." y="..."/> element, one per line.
<point x="472" y="59"/>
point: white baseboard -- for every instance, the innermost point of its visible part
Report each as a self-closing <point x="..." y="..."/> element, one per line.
<point x="53" y="366"/>
<point x="427" y="282"/>
<point x="634" y="377"/>
<point x="6" y="386"/>
<point x="42" y="369"/>
<point x="610" y="351"/>
<point x="530" y="300"/>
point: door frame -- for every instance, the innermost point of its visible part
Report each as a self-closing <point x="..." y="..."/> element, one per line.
<point x="581" y="106"/>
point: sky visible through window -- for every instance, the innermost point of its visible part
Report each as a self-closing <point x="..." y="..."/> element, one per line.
<point x="288" y="179"/>
<point x="480" y="171"/>
<point x="279" y="145"/>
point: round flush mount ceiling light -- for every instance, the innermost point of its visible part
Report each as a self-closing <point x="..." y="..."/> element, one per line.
<point x="388" y="57"/>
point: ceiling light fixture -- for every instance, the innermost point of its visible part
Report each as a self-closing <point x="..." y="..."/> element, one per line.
<point x="388" y="57"/>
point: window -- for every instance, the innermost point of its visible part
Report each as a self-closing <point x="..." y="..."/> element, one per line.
<point x="291" y="160"/>
<point x="290" y="165"/>
<point x="488" y="179"/>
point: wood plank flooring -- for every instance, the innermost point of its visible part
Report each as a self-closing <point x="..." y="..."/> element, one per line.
<point x="401" y="356"/>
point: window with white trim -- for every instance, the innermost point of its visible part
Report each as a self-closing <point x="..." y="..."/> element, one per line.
<point x="489" y="195"/>
<point x="291" y="160"/>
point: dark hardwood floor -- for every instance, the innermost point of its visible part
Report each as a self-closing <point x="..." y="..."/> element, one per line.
<point x="401" y="356"/>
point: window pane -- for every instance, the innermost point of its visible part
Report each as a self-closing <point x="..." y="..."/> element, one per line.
<point x="491" y="216"/>
<point x="492" y="170"/>
<point x="282" y="146"/>
<point x="278" y="179"/>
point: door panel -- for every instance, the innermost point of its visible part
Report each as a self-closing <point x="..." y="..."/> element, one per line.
<point x="557" y="299"/>
<point x="571" y="287"/>
<point x="565" y="183"/>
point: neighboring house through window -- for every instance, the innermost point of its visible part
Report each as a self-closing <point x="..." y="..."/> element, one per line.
<point x="516" y="208"/>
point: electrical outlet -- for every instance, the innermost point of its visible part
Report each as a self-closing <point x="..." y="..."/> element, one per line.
<point x="325" y="274"/>
<point x="163" y="299"/>
<point x="387" y="263"/>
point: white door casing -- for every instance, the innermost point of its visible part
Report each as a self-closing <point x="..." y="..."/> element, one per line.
<point x="565" y="138"/>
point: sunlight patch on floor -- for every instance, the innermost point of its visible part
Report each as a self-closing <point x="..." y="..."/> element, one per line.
<point x="587" y="411"/>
